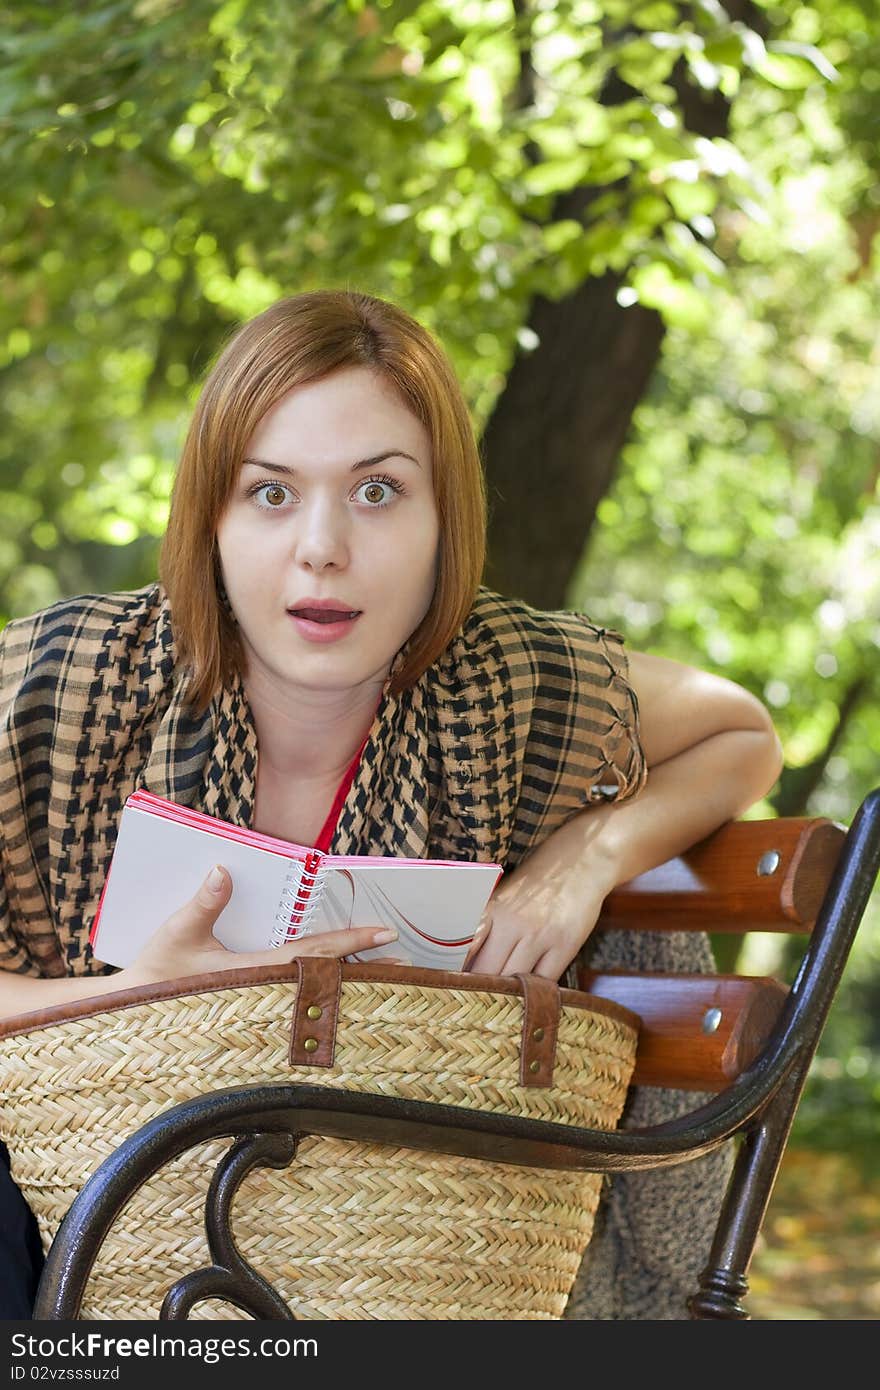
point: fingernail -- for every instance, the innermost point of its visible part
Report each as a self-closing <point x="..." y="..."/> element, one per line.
<point x="215" y="879"/>
<point x="386" y="934"/>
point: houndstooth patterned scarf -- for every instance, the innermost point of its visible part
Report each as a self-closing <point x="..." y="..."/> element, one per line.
<point x="524" y="719"/>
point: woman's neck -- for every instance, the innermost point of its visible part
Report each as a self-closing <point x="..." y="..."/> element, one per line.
<point x="313" y="735"/>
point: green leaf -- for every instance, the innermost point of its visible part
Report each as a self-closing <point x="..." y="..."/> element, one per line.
<point x="794" y="71"/>
<point x="725" y="50"/>
<point x="707" y="75"/>
<point x="678" y="302"/>
<point x="558" y="235"/>
<point x="691" y="199"/>
<point x="556" y="175"/>
<point x="809" y="53"/>
<point x="658" y="15"/>
<point x="649" y="211"/>
<point x="643" y="65"/>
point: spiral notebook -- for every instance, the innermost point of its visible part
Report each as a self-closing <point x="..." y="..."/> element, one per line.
<point x="281" y="890"/>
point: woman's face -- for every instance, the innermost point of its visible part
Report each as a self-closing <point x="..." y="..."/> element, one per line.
<point x="334" y="505"/>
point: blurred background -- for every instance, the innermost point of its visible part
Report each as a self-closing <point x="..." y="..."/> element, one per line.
<point x="647" y="236"/>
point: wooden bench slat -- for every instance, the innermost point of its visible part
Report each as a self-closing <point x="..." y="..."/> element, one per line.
<point x="682" y="1043"/>
<point x="768" y="875"/>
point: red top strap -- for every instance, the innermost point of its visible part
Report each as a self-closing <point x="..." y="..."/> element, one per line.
<point x="323" y="841"/>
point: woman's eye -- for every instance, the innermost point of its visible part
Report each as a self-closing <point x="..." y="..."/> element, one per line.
<point x="378" y="492"/>
<point x="274" y="495"/>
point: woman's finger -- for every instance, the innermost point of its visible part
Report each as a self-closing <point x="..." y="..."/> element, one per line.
<point x="491" y="958"/>
<point x="477" y="942"/>
<point x="507" y="949"/>
<point x="551" y="965"/>
<point x="338" y="943"/>
<point x="197" y="917"/>
<point x="522" y="958"/>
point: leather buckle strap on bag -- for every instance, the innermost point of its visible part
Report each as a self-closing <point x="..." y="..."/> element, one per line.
<point x="316" y="1015"/>
<point x="537" y="1054"/>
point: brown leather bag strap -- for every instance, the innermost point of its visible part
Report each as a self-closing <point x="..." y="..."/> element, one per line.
<point x="541" y="1004"/>
<point x="316" y="1012"/>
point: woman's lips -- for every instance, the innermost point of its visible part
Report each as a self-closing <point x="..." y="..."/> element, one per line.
<point x="323" y="613"/>
<point x="315" y="629"/>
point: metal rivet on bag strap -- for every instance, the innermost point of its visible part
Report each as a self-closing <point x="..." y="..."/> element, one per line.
<point x="313" y="1011"/>
<point x="311" y="1044"/>
<point x="535" y="1066"/>
<point x="537" y="1034"/>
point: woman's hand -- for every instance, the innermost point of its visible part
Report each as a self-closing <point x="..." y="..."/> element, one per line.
<point x="184" y="944"/>
<point x="537" y="919"/>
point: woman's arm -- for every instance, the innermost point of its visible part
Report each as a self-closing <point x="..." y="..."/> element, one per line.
<point x="711" y="751"/>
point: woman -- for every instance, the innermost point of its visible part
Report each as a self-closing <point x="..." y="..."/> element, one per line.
<point x="319" y="662"/>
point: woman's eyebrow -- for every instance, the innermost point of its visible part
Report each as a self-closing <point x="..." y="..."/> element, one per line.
<point x="362" y="463"/>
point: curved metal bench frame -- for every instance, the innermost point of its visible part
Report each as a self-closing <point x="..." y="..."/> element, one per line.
<point x="267" y="1122"/>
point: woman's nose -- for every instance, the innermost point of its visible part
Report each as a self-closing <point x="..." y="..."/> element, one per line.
<point x="321" y="534"/>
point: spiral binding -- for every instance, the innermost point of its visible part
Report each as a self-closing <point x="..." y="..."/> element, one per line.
<point x="299" y="900"/>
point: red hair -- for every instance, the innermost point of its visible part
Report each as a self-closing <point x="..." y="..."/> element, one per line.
<point x="295" y="341"/>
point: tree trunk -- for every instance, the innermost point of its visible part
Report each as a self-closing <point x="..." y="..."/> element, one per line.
<point x="552" y="443"/>
<point x="797" y="784"/>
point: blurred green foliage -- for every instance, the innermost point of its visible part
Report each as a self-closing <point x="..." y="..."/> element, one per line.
<point x="171" y="168"/>
<point x="743" y="532"/>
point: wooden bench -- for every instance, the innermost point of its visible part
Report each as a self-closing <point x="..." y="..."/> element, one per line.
<point x="700" y="1032"/>
<point x="749" y="1041"/>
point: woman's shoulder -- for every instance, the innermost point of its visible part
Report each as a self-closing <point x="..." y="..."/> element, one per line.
<point x="565" y="682"/>
<point x="537" y="633"/>
<point x="75" y="632"/>
<point x="572" y="675"/>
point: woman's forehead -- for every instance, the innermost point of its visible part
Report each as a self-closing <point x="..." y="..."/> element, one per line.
<point x="355" y="412"/>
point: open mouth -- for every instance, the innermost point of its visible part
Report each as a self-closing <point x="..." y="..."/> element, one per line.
<point x="323" y="615"/>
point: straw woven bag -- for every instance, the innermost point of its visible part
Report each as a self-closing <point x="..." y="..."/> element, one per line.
<point x="349" y="1230"/>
